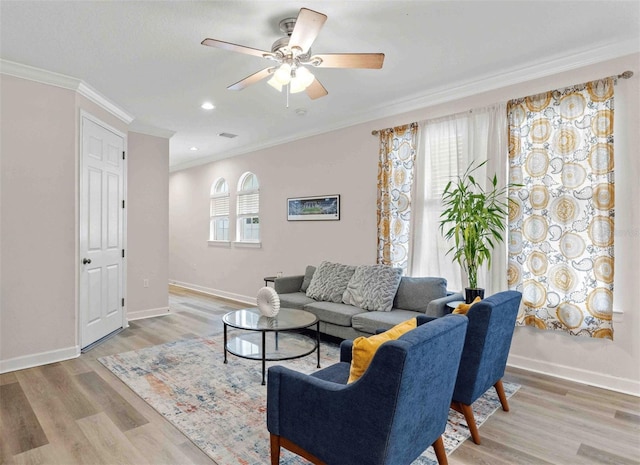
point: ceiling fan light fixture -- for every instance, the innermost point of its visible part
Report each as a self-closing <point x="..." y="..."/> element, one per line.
<point x="273" y="82"/>
<point x="283" y="74"/>
<point x="302" y="79"/>
<point x="296" y="86"/>
<point x="305" y="76"/>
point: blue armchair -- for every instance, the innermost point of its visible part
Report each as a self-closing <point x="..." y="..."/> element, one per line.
<point x="395" y="411"/>
<point x="484" y="357"/>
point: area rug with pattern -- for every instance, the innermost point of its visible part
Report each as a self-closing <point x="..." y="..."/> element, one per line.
<point x="222" y="407"/>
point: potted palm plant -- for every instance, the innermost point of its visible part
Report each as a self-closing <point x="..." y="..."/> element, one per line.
<point x="474" y="220"/>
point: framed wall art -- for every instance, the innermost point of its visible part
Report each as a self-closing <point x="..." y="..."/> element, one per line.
<point x="317" y="208"/>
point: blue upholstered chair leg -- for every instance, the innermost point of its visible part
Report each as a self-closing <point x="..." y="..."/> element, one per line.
<point x="467" y="411"/>
<point x="277" y="442"/>
<point x="441" y="453"/>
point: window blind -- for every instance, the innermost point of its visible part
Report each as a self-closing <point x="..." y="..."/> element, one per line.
<point x="248" y="203"/>
<point x="220" y="206"/>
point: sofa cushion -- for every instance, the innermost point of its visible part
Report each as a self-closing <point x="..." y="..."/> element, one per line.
<point x="294" y="300"/>
<point x="370" y="322"/>
<point x="373" y="287"/>
<point x="364" y="348"/>
<point x="330" y="281"/>
<point x="308" y="275"/>
<point x="331" y="312"/>
<point x="416" y="293"/>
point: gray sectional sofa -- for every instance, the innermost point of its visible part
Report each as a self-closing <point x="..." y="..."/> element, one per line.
<point x="352" y="301"/>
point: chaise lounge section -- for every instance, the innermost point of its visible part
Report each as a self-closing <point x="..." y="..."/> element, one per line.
<point x="352" y="301"/>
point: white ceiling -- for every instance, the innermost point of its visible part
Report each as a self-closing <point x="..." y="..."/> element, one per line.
<point x="146" y="57"/>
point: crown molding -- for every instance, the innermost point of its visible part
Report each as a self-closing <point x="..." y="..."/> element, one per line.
<point x="87" y="91"/>
<point x="38" y="75"/>
<point x="66" y="82"/>
<point x="143" y="128"/>
<point x="556" y="64"/>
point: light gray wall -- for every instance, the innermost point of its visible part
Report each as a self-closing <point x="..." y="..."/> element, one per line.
<point x="345" y="162"/>
<point x="38" y="250"/>
<point x="147" y="225"/>
<point x="38" y="222"/>
<point x="322" y="165"/>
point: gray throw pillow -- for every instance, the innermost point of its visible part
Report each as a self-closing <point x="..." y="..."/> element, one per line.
<point x="416" y="293"/>
<point x="373" y="287"/>
<point x="330" y="281"/>
<point x="308" y="274"/>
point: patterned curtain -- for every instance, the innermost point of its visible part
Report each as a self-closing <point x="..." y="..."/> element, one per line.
<point x="561" y="224"/>
<point x="395" y="180"/>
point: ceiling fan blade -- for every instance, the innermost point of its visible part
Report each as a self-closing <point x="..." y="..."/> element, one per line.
<point x="351" y="60"/>
<point x="316" y="90"/>
<point x="255" y="77"/>
<point x="235" y="48"/>
<point x="307" y="27"/>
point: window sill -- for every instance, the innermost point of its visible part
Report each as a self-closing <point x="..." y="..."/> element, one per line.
<point x="254" y="245"/>
<point x="220" y="243"/>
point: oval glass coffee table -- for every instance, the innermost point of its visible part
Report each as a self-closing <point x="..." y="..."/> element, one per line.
<point x="271" y="338"/>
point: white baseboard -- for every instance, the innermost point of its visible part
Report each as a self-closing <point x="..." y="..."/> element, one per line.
<point x="590" y="378"/>
<point x="43" y="358"/>
<point x="216" y="292"/>
<point x="149" y="313"/>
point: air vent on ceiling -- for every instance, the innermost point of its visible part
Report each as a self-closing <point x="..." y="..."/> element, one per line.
<point x="228" y="135"/>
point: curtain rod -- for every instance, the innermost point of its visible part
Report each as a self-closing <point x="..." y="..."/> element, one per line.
<point x="624" y="75"/>
<point x="375" y="132"/>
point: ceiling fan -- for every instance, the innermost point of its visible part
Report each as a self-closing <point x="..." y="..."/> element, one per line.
<point x="292" y="55"/>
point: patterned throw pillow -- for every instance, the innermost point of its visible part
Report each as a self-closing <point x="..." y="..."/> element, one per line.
<point x="330" y="281"/>
<point x="373" y="287"/>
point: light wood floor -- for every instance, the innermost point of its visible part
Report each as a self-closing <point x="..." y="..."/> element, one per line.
<point x="77" y="412"/>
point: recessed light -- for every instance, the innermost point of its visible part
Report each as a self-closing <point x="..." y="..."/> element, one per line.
<point x="207" y="106"/>
<point x="193" y="149"/>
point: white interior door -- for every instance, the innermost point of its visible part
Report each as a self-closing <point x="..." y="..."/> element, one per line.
<point x="101" y="232"/>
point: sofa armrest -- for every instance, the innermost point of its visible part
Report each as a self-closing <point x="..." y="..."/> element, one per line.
<point x="288" y="284"/>
<point x="438" y="307"/>
<point x="346" y="350"/>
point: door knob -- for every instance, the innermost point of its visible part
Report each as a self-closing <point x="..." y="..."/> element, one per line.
<point x="86" y="261"/>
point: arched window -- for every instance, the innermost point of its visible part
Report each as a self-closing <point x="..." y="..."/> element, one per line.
<point x="248" y="209"/>
<point x="219" y="211"/>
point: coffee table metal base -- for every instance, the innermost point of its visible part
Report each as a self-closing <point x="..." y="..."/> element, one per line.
<point x="271" y="346"/>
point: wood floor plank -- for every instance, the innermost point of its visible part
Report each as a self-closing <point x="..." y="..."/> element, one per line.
<point x="493" y="452"/>
<point x="195" y="454"/>
<point x="8" y="378"/>
<point x="155" y="447"/>
<point x="19" y="424"/>
<point x="63" y="383"/>
<point x="121" y="413"/>
<point x="110" y="443"/>
<point x="603" y="457"/>
<point x="76" y="366"/>
<point x="631" y="418"/>
<point x="67" y="439"/>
